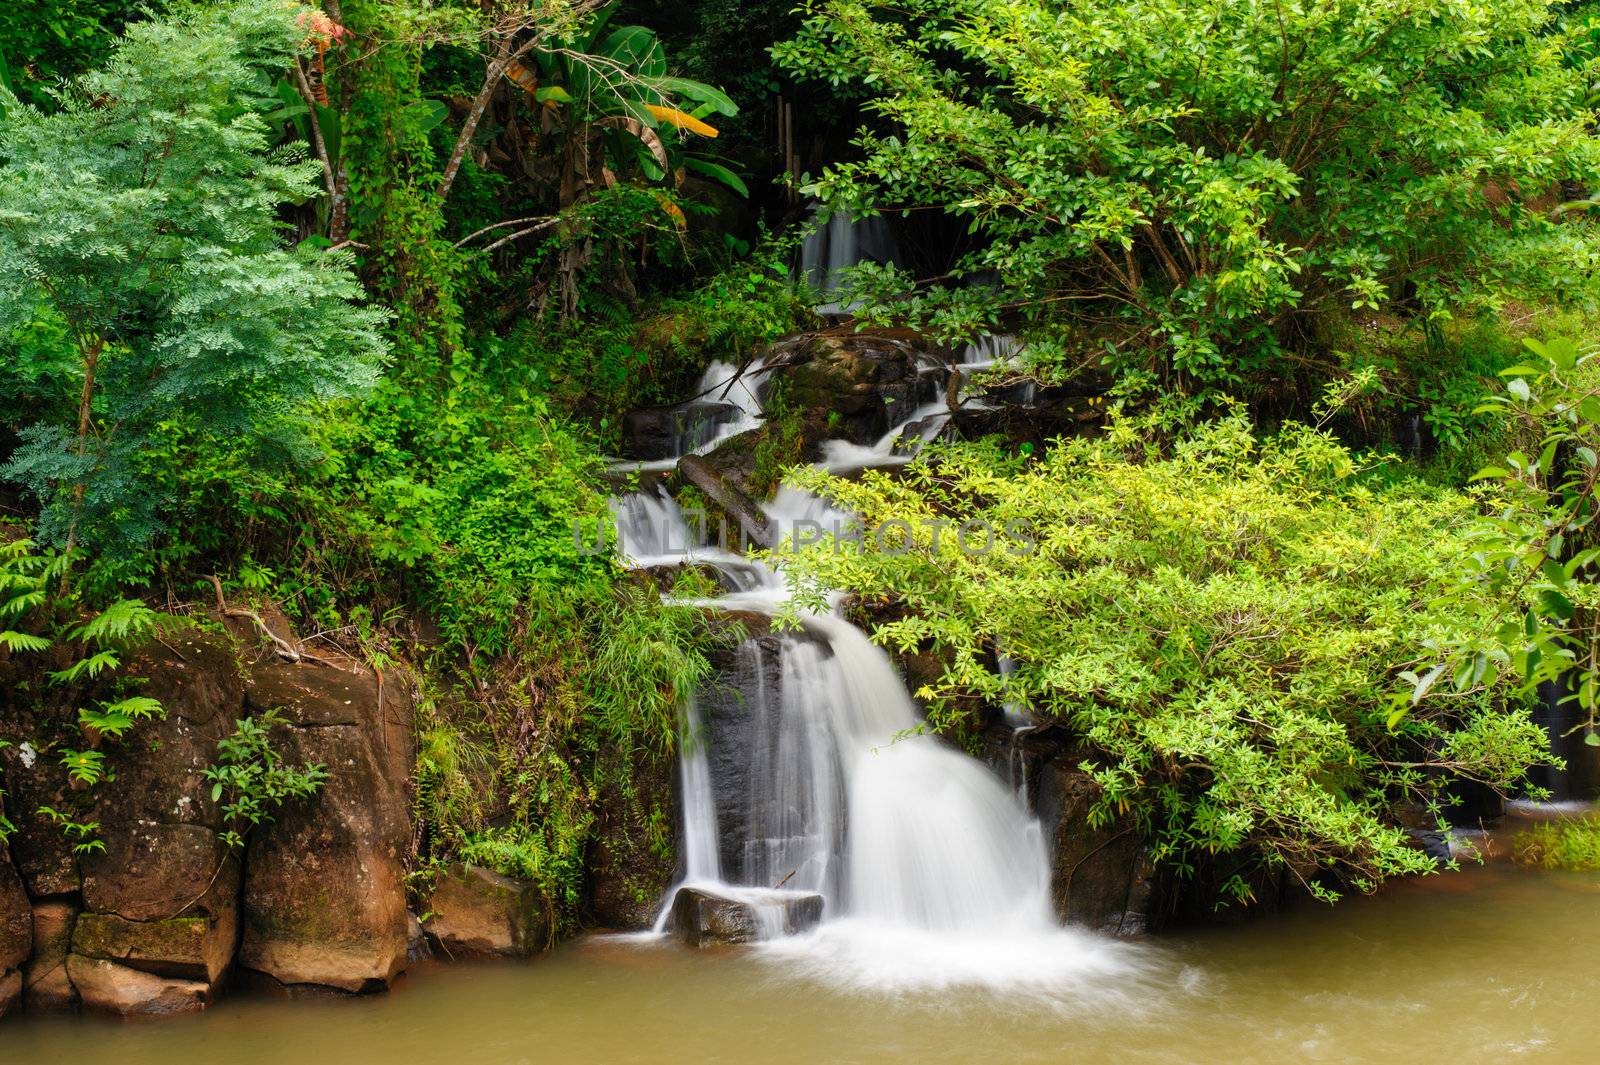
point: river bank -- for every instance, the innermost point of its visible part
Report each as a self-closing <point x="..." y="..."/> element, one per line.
<point x="1477" y="966"/>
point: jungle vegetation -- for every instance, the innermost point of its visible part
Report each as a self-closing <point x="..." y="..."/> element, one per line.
<point x="342" y="305"/>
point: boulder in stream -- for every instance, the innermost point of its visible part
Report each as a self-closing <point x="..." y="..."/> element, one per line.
<point x="476" y="912"/>
<point x="324" y="892"/>
<point x="701" y="917"/>
<point x="107" y="987"/>
<point x="45" y="986"/>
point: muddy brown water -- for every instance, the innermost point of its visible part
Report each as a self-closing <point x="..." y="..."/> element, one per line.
<point x="1492" y="964"/>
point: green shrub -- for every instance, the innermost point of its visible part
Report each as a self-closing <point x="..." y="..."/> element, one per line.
<point x="1190" y="187"/>
<point x="1219" y="622"/>
<point x="1570" y="843"/>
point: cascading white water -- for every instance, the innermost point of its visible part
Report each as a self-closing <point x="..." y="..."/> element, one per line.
<point x="837" y="245"/>
<point x="701" y="862"/>
<point x="932" y="869"/>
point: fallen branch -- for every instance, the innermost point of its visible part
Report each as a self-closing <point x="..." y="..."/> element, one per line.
<point x="284" y="649"/>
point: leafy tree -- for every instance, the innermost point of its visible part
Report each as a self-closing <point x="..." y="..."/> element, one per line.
<point x="1219" y="624"/>
<point x="140" y="218"/>
<point x="1193" y="186"/>
<point x="43" y="41"/>
<point x="1535" y="551"/>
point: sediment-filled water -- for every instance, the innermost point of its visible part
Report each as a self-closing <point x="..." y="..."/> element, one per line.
<point x="1483" y="967"/>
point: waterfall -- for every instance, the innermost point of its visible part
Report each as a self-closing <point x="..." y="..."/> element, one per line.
<point x="838" y="244"/>
<point x="702" y="864"/>
<point x="826" y="781"/>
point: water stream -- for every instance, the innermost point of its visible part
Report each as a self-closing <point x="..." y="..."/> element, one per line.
<point x="1483" y="967"/>
<point x="932" y="870"/>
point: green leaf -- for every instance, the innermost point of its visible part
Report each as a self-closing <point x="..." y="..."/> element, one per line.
<point x="716" y="172"/>
<point x="23" y="641"/>
<point x="423" y="115"/>
<point x="1556" y="605"/>
<point x="718" y="100"/>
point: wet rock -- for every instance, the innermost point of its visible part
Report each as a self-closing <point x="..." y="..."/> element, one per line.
<point x="45" y="986"/>
<point x="700" y="917"/>
<point x="475" y="912"/>
<point x="417" y="946"/>
<point x="730" y="706"/>
<point x="324" y="884"/>
<point x="631" y="861"/>
<point x="1101" y="877"/>
<point x="107" y="987"/>
<point x="189" y="948"/>
<point x="849" y="380"/>
<point x="733" y="502"/>
<point x="653" y="433"/>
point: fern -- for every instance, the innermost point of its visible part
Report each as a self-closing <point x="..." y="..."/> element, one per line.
<point x="90" y="667"/>
<point x="84" y="767"/>
<point x="22" y="641"/>
<point x="115" y="720"/>
<point x="122" y="621"/>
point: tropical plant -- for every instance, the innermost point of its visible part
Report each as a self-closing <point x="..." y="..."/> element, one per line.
<point x="1217" y="621"/>
<point x="32" y="588"/>
<point x="1191" y="189"/>
<point x="1536" y="551"/>
<point x="614" y="103"/>
<point x="250" y="774"/>
<point x="141" y="215"/>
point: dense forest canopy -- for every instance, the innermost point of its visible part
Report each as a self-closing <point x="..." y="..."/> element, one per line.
<point x="341" y="307"/>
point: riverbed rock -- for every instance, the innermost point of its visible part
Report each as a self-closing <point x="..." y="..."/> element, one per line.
<point x="631" y="860"/>
<point x="324" y="894"/>
<point x="162" y="897"/>
<point x="849" y="380"/>
<point x="478" y="913"/>
<point x="701" y="917"/>
<point x="45" y="985"/>
<point x="190" y="948"/>
<point x="106" y="987"/>
<point x="652" y="433"/>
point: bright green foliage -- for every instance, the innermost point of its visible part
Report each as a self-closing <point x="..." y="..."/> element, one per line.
<point x="83" y="835"/>
<point x="42" y="41"/>
<point x="250" y="773"/>
<point x="1536" y="552"/>
<point x="32" y="596"/>
<point x="1190" y="186"/>
<point x="509" y="779"/>
<point x="1218" y="622"/>
<point x="140" y="217"/>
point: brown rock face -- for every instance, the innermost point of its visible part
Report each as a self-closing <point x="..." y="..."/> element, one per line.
<point x="478" y="913"/>
<point x="163" y="896"/>
<point x="1100" y="877"/>
<point x="190" y="948"/>
<point x="16" y="933"/>
<point x="107" y="987"/>
<point x="10" y="992"/>
<point x="45" y="986"/>
<point x="324" y="895"/>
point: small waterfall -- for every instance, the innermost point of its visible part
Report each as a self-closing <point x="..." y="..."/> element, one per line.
<point x="702" y="863"/>
<point x="839" y="244"/>
<point x="931" y="868"/>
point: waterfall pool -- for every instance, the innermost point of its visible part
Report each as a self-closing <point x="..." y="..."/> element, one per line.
<point x="1492" y="964"/>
